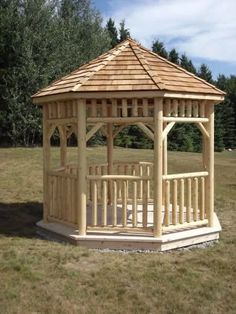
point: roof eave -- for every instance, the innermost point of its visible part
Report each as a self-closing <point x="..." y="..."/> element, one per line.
<point x="40" y="100"/>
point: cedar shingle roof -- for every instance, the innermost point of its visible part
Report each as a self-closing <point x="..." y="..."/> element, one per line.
<point x="129" y="67"/>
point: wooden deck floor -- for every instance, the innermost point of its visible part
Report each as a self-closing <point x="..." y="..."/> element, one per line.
<point x="133" y="238"/>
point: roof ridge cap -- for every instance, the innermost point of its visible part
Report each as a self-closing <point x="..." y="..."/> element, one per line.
<point x="112" y="54"/>
<point x="180" y="68"/>
<point x="147" y="68"/>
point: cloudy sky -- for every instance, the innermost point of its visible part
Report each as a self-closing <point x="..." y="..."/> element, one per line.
<point x="204" y="29"/>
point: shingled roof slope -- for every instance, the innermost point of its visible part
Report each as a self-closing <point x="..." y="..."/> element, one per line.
<point x="129" y="67"/>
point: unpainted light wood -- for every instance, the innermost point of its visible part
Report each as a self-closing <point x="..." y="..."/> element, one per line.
<point x="189" y="200"/>
<point x="104" y="203"/>
<point x="114" y="203"/>
<point x="186" y="120"/>
<point x="202" y="129"/>
<point x="195" y="199"/>
<point x="135" y="107"/>
<point x="167" y="128"/>
<point x="46" y="165"/>
<point x="145" y="203"/>
<point x="185" y="175"/>
<point x="120" y="120"/>
<point x="158" y="160"/>
<point x="82" y="167"/>
<point x="210" y="165"/>
<point x="174" y="202"/>
<point x="92" y="131"/>
<point x="134" y="204"/>
<point x="63" y="144"/>
<point x="167" y="203"/>
<point x="202" y="200"/>
<point x="124" y="203"/>
<point x="94" y="202"/>
<point x="146" y="130"/>
<point x="181" y="205"/>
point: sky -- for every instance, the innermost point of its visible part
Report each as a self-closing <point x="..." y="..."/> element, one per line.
<point x="203" y="29"/>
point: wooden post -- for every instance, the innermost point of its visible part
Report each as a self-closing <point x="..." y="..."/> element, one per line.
<point x="158" y="160"/>
<point x="165" y="163"/>
<point x="46" y="163"/>
<point x="110" y="147"/>
<point x="210" y="165"/>
<point x="63" y="144"/>
<point x="82" y="167"/>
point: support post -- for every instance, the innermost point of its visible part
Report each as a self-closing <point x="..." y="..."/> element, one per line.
<point x="110" y="157"/>
<point x="63" y="144"/>
<point x="210" y="165"/>
<point x="46" y="163"/>
<point x="165" y="153"/>
<point x="82" y="166"/>
<point x="158" y="161"/>
<point x="110" y="147"/>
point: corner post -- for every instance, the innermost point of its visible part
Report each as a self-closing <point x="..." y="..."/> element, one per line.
<point x="210" y="165"/>
<point x="158" y="165"/>
<point x="46" y="163"/>
<point x="82" y="166"/>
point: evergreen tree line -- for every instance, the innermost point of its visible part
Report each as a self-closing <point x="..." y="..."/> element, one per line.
<point x="42" y="40"/>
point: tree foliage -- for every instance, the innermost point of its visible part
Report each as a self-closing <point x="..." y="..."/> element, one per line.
<point x="112" y="31"/>
<point x="159" y="48"/>
<point x="41" y="40"/>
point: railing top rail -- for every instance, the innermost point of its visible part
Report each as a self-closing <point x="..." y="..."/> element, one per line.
<point x="185" y="175"/>
<point x="117" y="177"/>
<point x="114" y="163"/>
<point x="61" y="174"/>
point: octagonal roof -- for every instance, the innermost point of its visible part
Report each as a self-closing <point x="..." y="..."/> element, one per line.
<point x="129" y="67"/>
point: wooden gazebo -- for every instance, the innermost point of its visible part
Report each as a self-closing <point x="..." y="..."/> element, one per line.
<point x="132" y="205"/>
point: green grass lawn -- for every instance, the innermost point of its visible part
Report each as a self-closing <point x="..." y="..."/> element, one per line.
<point x="40" y="276"/>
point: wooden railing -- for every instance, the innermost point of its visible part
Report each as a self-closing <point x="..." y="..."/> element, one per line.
<point x="125" y="199"/>
<point x="122" y="205"/>
<point x="132" y="169"/>
<point x="63" y="196"/>
<point x="184" y="198"/>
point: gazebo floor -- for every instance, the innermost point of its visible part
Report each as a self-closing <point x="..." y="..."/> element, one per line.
<point x="132" y="238"/>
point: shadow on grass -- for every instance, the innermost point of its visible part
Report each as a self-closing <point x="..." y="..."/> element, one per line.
<point x="19" y="219"/>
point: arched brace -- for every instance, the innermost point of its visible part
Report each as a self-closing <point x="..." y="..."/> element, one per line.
<point x="70" y="130"/>
<point x="202" y="129"/>
<point x="167" y="130"/>
<point x="118" y="130"/>
<point x="51" y="130"/>
<point x="92" y="131"/>
<point x="146" y="130"/>
<point x="62" y="132"/>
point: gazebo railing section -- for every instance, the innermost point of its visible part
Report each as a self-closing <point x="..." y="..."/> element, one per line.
<point x="184" y="198"/>
<point x="125" y="198"/>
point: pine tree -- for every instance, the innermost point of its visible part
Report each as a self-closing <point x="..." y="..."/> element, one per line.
<point x="173" y="56"/>
<point x="187" y="64"/>
<point x="112" y="31"/>
<point x="205" y="73"/>
<point x="159" y="48"/>
<point x="123" y="31"/>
